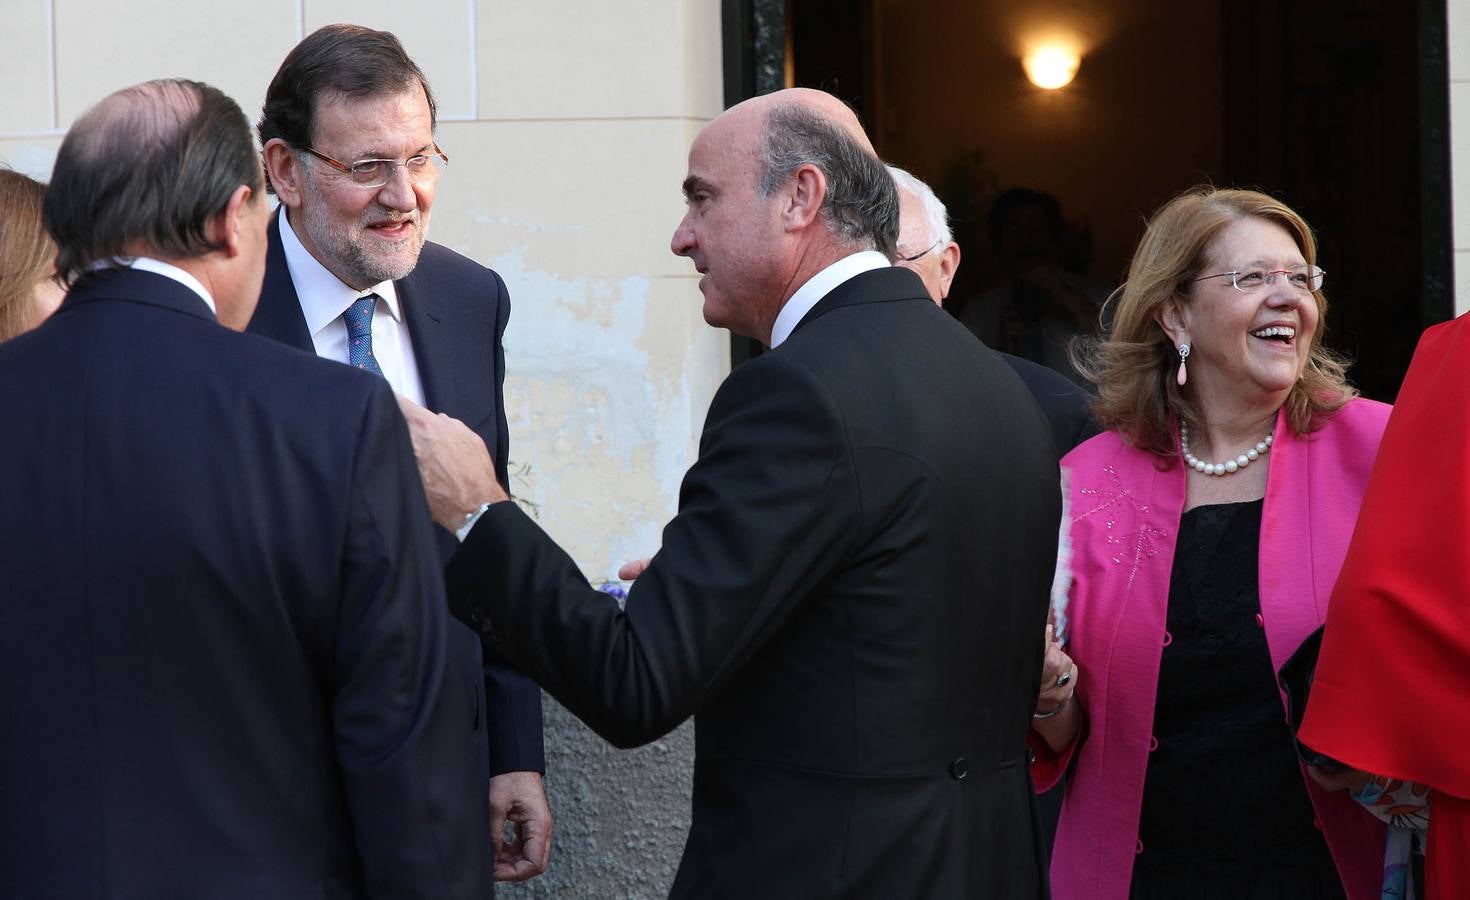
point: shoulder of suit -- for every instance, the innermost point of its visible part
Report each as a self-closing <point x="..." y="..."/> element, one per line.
<point x="437" y="258"/>
<point x="273" y="362"/>
<point x="775" y="372"/>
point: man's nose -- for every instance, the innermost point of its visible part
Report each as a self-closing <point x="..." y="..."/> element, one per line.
<point x="398" y="192"/>
<point x="683" y="242"/>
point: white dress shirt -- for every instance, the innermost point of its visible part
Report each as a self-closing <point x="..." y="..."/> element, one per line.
<point x="819" y="286"/>
<point x="324" y="298"/>
<point x="167" y="270"/>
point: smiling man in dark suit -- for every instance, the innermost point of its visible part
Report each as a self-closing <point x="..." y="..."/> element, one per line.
<point x="223" y="662"/>
<point x="849" y="598"/>
<point x="348" y="137"/>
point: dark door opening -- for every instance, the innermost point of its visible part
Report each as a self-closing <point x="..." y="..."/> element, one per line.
<point x="1340" y="109"/>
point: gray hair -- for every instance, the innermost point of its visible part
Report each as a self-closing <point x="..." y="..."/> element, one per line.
<point x="150" y="165"/>
<point x="861" y="206"/>
<point x="936" y="217"/>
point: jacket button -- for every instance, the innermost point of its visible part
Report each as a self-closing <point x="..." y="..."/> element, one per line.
<point x="1260" y="622"/>
<point x="1153" y="743"/>
<point x="1138" y="847"/>
<point x="959" y="769"/>
<point x="476" y="615"/>
<point x="1168" y="639"/>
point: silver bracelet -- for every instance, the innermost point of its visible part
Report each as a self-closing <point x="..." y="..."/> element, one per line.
<point x="1053" y="711"/>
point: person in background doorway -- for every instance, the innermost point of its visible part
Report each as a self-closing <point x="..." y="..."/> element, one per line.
<point x="1040" y="306"/>
<point x="926" y="245"/>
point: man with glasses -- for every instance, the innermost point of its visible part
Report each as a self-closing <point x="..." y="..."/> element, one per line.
<point x="347" y="133"/>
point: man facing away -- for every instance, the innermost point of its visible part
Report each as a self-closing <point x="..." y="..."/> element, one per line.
<point x="847" y="599"/>
<point x="348" y="138"/>
<point x="223" y="665"/>
<point x="926" y="245"/>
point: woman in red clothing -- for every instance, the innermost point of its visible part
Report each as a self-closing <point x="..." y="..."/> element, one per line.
<point x="1391" y="693"/>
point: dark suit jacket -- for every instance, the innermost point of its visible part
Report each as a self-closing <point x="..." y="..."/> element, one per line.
<point x="222" y="639"/>
<point x="848" y="602"/>
<point x="1066" y="406"/>
<point x="456" y="310"/>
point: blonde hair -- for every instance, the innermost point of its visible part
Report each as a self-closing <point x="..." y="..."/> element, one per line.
<point x="27" y="254"/>
<point x="1134" y="366"/>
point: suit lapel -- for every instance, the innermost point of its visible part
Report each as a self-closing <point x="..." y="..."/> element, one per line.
<point x="278" y="315"/>
<point x="451" y="348"/>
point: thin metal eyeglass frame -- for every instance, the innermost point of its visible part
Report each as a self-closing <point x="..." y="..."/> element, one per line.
<point x="1320" y="272"/>
<point x="922" y="253"/>
<point x="346" y="168"/>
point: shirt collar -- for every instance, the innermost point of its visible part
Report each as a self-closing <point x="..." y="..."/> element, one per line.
<point x="324" y="298"/>
<point x="819" y="286"/>
<point x="167" y="270"/>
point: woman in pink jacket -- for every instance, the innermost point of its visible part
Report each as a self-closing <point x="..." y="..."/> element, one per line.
<point x="1208" y="523"/>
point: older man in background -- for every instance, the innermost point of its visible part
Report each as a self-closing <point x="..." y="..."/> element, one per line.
<point x="223" y="668"/>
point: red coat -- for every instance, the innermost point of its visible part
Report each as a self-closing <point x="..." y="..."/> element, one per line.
<point x="1392" y="688"/>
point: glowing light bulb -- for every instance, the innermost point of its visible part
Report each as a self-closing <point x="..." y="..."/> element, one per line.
<point x="1051" y="67"/>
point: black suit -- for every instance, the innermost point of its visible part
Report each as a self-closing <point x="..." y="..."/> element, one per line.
<point x="849" y="605"/>
<point x="456" y="311"/>
<point x="1065" y="405"/>
<point x="222" y="641"/>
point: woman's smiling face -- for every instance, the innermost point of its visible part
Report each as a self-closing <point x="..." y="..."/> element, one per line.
<point x="1247" y="343"/>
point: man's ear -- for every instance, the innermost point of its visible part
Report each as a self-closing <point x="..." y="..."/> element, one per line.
<point x="228" y="226"/>
<point x="284" y="169"/>
<point x="804" y="195"/>
<point x="1171" y="318"/>
<point x="949" y="263"/>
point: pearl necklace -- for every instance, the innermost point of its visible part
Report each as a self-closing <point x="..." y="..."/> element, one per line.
<point x="1229" y="466"/>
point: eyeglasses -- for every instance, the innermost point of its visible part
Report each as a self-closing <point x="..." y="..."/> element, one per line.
<point x="1304" y="278"/>
<point x="371" y="173"/>
<point x="921" y="253"/>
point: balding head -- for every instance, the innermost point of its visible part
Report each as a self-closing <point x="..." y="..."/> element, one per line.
<point x="144" y="171"/>
<point x="164" y="169"/>
<point x="780" y="187"/>
<point x="820" y="104"/>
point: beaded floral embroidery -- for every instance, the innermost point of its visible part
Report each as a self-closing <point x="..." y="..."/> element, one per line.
<point x="1115" y="503"/>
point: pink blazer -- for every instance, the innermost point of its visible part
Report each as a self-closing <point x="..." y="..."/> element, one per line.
<point x="1125" y="513"/>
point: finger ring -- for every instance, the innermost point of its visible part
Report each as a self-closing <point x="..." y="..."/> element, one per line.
<point x="1064" y="678"/>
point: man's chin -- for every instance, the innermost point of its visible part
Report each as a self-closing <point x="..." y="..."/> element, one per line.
<point x="377" y="268"/>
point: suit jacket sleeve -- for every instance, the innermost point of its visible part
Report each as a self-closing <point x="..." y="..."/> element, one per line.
<point x="403" y="741"/>
<point x="766" y="515"/>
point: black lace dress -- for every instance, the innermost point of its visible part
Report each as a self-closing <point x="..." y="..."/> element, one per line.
<point x="1225" y="811"/>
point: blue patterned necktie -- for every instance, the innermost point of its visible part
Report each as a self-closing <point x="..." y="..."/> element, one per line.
<point x="359" y="319"/>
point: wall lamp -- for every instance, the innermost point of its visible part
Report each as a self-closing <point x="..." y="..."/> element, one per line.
<point x="1051" y="67"/>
